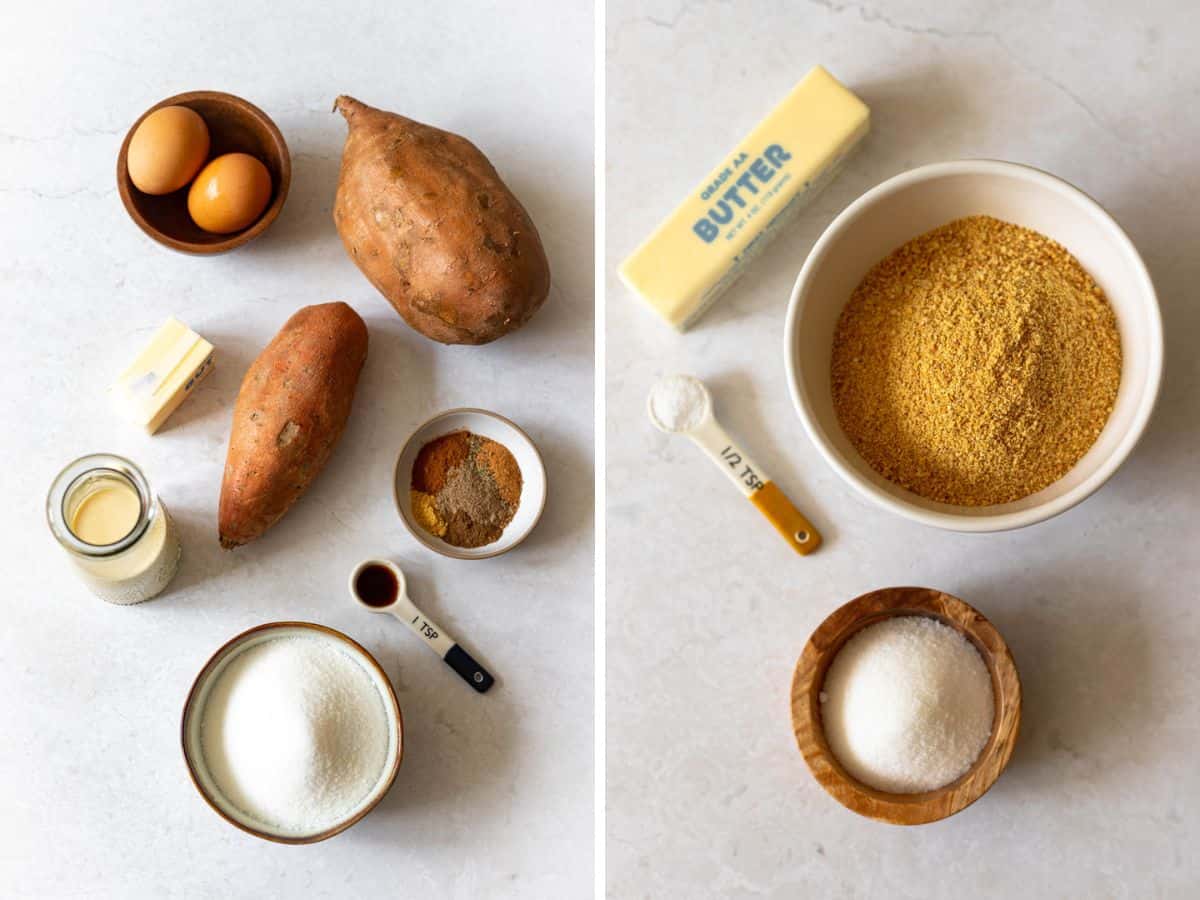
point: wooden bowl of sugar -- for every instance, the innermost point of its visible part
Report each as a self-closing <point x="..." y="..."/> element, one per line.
<point x="809" y="681"/>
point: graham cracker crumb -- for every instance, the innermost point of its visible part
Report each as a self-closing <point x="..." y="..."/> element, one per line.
<point x="976" y="364"/>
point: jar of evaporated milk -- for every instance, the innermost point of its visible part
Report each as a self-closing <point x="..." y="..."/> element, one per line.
<point x="117" y="533"/>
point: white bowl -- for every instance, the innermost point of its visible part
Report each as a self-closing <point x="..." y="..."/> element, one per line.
<point x="193" y="717"/>
<point x="914" y="202"/>
<point x="489" y="425"/>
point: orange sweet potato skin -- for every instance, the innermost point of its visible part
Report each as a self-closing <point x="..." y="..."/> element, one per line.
<point x="290" y="412"/>
<point x="427" y="219"/>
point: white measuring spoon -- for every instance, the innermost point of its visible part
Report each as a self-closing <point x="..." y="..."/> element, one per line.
<point x="681" y="404"/>
<point x="393" y="599"/>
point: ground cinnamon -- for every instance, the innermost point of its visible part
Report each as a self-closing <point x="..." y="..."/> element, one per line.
<point x="503" y="468"/>
<point x="437" y="459"/>
<point x="465" y="488"/>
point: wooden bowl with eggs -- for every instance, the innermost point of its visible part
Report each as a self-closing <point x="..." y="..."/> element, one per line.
<point x="809" y="678"/>
<point x="234" y="126"/>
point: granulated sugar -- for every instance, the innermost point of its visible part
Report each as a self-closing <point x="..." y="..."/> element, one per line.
<point x="295" y="733"/>
<point x="907" y="705"/>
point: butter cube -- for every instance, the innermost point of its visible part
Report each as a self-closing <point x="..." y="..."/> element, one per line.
<point x="705" y="244"/>
<point x="163" y="375"/>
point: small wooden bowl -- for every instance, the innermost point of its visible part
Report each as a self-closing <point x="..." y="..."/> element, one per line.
<point x="823" y="646"/>
<point x="234" y="126"/>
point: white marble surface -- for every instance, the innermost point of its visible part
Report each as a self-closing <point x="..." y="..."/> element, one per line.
<point x="707" y="610"/>
<point x="495" y="795"/>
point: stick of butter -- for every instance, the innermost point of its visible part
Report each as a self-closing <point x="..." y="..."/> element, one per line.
<point x="163" y="375"/>
<point x="704" y="245"/>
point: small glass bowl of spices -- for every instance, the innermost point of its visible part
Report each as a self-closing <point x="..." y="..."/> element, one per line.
<point x="470" y="484"/>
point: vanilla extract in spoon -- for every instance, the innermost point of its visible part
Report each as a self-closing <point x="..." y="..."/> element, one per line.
<point x="376" y="586"/>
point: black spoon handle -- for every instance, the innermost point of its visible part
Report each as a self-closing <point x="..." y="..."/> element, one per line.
<point x="468" y="669"/>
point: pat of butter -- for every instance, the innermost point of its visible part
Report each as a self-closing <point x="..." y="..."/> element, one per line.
<point x="163" y="375"/>
<point x="705" y="244"/>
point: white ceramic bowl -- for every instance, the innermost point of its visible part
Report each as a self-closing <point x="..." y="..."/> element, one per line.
<point x="193" y="716"/>
<point x="489" y="425"/>
<point x="914" y="202"/>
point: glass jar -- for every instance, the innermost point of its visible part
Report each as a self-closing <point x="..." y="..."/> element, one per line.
<point x="118" y="535"/>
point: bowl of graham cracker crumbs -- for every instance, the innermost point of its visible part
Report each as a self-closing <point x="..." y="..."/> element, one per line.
<point x="469" y="484"/>
<point x="974" y="345"/>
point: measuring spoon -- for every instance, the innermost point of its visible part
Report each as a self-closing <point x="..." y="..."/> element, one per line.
<point x="372" y="589"/>
<point x="697" y="422"/>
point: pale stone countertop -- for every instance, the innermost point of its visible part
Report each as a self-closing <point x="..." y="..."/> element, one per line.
<point x="707" y="611"/>
<point x="494" y="798"/>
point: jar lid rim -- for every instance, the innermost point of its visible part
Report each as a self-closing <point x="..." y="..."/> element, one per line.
<point x="71" y="477"/>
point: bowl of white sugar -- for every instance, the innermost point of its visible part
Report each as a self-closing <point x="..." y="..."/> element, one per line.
<point x="906" y="705"/>
<point x="292" y="732"/>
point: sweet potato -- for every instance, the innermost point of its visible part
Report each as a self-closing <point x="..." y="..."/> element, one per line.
<point x="426" y="218"/>
<point x="290" y="412"/>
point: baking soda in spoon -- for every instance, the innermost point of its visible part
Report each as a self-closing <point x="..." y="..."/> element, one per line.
<point x="681" y="404"/>
<point x="678" y="403"/>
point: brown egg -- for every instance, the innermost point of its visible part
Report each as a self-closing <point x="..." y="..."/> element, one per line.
<point x="230" y="193"/>
<point x="167" y="150"/>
